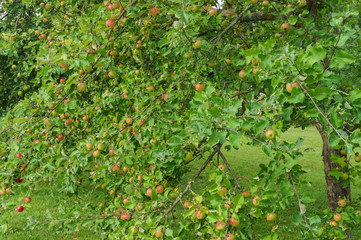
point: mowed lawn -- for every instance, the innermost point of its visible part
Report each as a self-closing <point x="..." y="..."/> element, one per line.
<point x="245" y="162"/>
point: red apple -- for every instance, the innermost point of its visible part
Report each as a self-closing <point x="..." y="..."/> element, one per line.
<point x="199" y="87"/>
<point x="62" y="80"/>
<point x="60" y="137"/>
<point x="230" y="236"/>
<point x="67" y="122"/>
<point x="111" y="152"/>
<point x="27" y="200"/>
<point x="18" y="155"/>
<point x="125" y="217"/>
<point x="159" y="234"/>
<point x="234" y="222"/>
<point x="19" y="180"/>
<point x="129" y="120"/>
<point x="149" y="192"/>
<point x="20" y="208"/>
<point x="242" y="74"/>
<point x="115" y="168"/>
<point x="159" y="189"/>
<point x="200" y="215"/>
<point x="154" y="11"/>
<point x="110" y="23"/>
<point x="255" y="201"/>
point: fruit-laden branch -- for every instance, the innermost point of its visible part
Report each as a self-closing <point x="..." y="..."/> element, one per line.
<point x="230" y="170"/>
<point x="216" y="150"/>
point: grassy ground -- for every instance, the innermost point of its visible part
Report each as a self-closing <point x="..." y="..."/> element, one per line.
<point x="245" y="162"/>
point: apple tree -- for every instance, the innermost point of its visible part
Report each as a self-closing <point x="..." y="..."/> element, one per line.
<point x="128" y="96"/>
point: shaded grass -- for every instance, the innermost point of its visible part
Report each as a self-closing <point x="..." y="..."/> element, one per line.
<point x="245" y="162"/>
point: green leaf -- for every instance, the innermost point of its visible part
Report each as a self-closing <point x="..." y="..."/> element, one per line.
<point x="321" y="93"/>
<point x="317" y="53"/>
<point x="235" y="140"/>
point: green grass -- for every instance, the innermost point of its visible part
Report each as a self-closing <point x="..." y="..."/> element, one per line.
<point x="245" y="162"/>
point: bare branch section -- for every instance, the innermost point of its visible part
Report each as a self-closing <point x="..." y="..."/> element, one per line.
<point x="230" y="170"/>
<point x="216" y="150"/>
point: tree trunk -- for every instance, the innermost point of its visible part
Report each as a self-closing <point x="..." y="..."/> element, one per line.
<point x="335" y="190"/>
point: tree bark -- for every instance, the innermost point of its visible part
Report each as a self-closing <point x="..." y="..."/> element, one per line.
<point x="335" y="190"/>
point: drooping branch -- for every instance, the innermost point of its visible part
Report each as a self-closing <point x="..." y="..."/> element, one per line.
<point x="216" y="150"/>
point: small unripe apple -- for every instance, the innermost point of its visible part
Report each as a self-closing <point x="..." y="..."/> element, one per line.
<point x="271" y="217"/>
<point x="150" y="88"/>
<point x="197" y="44"/>
<point x="187" y="204"/>
<point x="242" y="74"/>
<point x="302" y="3"/>
<point x="285" y="26"/>
<point x="189" y="157"/>
<point x="111" y="152"/>
<point x="265" y="3"/>
<point x="27" y="200"/>
<point x="220" y="226"/>
<point x="112" y="74"/>
<point x="81" y="87"/>
<point x="223" y="191"/>
<point x="125" y="217"/>
<point x="8" y="191"/>
<point x="358" y="158"/>
<point x="270" y="134"/>
<point x="246" y="194"/>
<point x="337" y="217"/>
<point x="125" y="200"/>
<point x="230" y="236"/>
<point x="341" y="203"/>
<point x="129" y="120"/>
<point x="159" y="234"/>
<point x="254" y="1"/>
<point x="89" y="146"/>
<point x="96" y="154"/>
<point x="213" y="12"/>
<point x="234" y="222"/>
